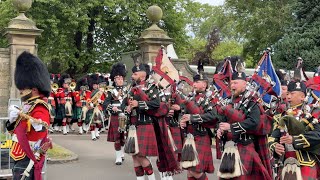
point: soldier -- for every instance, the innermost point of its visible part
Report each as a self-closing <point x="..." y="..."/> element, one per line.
<point x="76" y="105"/>
<point x="243" y="130"/>
<point x="30" y="124"/>
<point x="94" y="116"/>
<point x="137" y="108"/>
<point x="51" y="101"/>
<point x="65" y="98"/>
<point x="192" y="124"/>
<point x="85" y="94"/>
<point x="296" y="138"/>
<point x="112" y="105"/>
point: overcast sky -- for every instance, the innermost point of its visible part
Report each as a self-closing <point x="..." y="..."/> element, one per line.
<point x="212" y="2"/>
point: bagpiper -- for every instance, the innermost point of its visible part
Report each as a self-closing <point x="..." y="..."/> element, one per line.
<point x="295" y="141"/>
<point x="196" y="154"/>
<point x="142" y="143"/>
<point x="29" y="125"/>
<point x="112" y="105"/>
<point x="243" y="132"/>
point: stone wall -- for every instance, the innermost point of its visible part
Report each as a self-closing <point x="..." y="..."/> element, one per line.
<point x="4" y="81"/>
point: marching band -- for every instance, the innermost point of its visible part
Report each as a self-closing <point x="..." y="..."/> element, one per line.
<point x="259" y="131"/>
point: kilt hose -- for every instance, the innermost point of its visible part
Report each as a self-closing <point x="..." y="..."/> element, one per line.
<point x="253" y="167"/>
<point x="147" y="140"/>
<point x="203" y="146"/>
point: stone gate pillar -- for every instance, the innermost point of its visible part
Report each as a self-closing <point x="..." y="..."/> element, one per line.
<point x="153" y="37"/>
<point x="21" y="34"/>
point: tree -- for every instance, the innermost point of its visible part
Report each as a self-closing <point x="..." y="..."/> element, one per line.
<point x="259" y="23"/>
<point x="202" y="19"/>
<point x="302" y="38"/>
<point x="79" y="36"/>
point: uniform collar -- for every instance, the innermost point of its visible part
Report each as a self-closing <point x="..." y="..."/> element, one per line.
<point x="32" y="99"/>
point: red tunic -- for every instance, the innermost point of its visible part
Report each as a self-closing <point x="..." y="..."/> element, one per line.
<point x="39" y="112"/>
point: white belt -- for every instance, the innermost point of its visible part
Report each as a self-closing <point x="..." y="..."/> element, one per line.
<point x="33" y="144"/>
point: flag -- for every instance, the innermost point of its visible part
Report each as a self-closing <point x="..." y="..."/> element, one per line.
<point x="268" y="73"/>
<point x="222" y="77"/>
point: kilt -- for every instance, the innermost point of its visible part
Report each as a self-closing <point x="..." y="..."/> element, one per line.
<point x="252" y="164"/>
<point x="76" y="112"/>
<point x="177" y="137"/>
<point x="113" y="133"/>
<point x="60" y="111"/>
<point x="203" y="146"/>
<point x="147" y="140"/>
<point x="307" y="173"/>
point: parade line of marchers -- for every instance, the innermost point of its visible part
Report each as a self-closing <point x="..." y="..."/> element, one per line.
<point x="266" y="126"/>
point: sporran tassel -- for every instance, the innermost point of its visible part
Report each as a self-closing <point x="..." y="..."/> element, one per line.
<point x="68" y="108"/>
<point x="189" y="155"/>
<point x="131" y="146"/>
<point x="172" y="141"/>
<point x="291" y="170"/>
<point x="84" y="113"/>
<point x="231" y="165"/>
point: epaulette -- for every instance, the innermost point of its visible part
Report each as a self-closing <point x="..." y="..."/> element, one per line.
<point x="32" y="104"/>
<point x="36" y="102"/>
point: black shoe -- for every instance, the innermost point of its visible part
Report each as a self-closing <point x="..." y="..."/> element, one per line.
<point x="98" y="137"/>
<point x="118" y="163"/>
<point x="94" y="139"/>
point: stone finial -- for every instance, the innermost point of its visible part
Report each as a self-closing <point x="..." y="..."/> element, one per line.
<point x="21" y="21"/>
<point x="154" y="14"/>
<point x="22" y="5"/>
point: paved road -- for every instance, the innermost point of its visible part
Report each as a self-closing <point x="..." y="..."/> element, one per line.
<point x="96" y="161"/>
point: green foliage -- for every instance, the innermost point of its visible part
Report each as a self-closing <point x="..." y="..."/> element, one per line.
<point x="259" y="23"/>
<point x="227" y="48"/>
<point x="302" y="38"/>
<point x="79" y="36"/>
<point x="194" y="45"/>
<point x="6" y="13"/>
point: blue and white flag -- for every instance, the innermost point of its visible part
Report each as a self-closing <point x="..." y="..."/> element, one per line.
<point x="268" y="73"/>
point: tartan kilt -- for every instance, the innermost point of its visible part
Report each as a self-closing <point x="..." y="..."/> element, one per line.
<point x="177" y="138"/>
<point x="307" y="173"/>
<point x="203" y="147"/>
<point x="252" y="164"/>
<point x="147" y="140"/>
<point x="60" y="111"/>
<point x="113" y="133"/>
<point x="76" y="112"/>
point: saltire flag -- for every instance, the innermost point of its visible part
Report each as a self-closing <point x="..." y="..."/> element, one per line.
<point x="314" y="85"/>
<point x="222" y="78"/>
<point x="268" y="73"/>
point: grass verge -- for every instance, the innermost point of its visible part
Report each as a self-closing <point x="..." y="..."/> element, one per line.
<point x="58" y="152"/>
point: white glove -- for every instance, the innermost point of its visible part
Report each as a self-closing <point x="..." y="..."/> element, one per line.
<point x="99" y="101"/>
<point x="13" y="113"/>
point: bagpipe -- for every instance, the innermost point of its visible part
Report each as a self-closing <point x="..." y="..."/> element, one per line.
<point x="297" y="122"/>
<point x="236" y="110"/>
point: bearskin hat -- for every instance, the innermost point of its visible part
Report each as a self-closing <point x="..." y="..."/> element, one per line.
<point x="31" y="72"/>
<point x="65" y="78"/>
<point x="118" y="69"/>
<point x="93" y="79"/>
